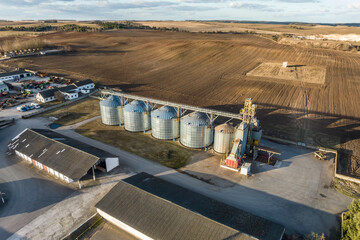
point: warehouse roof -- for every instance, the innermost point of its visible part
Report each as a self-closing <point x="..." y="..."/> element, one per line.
<point x="67" y="156"/>
<point x="163" y="210"/>
<point x="83" y="82"/>
<point x="13" y="73"/>
<point x="73" y="143"/>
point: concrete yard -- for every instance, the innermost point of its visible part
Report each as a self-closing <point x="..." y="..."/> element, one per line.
<point x="295" y="193"/>
<point x="29" y="193"/>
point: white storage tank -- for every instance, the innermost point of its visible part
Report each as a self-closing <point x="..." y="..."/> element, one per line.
<point x="165" y="123"/>
<point x="223" y="139"/>
<point x="196" y="130"/>
<point x="137" y="116"/>
<point x="109" y="110"/>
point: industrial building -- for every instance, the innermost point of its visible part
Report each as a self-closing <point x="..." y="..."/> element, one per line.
<point x="63" y="157"/>
<point x="151" y="208"/>
<point x="13" y="76"/>
<point x="3" y="87"/>
<point x="194" y="130"/>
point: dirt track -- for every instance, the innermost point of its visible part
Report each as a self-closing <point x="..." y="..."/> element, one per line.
<point x="210" y="70"/>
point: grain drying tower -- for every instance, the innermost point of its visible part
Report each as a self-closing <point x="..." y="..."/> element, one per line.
<point x="137" y="116"/>
<point x="223" y="139"/>
<point x="196" y="130"/>
<point x="109" y="110"/>
<point x="165" y="123"/>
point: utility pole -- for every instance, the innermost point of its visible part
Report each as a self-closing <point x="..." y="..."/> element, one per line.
<point x="1" y="195"/>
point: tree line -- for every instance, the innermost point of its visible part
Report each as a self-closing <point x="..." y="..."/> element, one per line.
<point x="78" y="28"/>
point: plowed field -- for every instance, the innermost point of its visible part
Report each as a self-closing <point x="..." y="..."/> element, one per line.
<point x="211" y="70"/>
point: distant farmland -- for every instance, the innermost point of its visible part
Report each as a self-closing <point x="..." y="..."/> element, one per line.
<point x="211" y="70"/>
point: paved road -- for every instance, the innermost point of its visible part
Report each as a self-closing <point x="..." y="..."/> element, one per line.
<point x="296" y="217"/>
<point x="28" y="192"/>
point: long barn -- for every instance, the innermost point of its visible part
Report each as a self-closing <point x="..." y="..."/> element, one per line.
<point x="63" y="157"/>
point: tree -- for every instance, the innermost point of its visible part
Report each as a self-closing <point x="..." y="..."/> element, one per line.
<point x="351" y="222"/>
<point x="59" y="96"/>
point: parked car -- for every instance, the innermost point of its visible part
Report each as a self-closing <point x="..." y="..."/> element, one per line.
<point x="31" y="107"/>
<point x="37" y="106"/>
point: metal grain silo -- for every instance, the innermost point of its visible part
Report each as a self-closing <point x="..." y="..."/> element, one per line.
<point x="164" y="123"/>
<point x="223" y="139"/>
<point x="122" y="102"/>
<point x="196" y="130"/>
<point x="109" y="110"/>
<point x="137" y="116"/>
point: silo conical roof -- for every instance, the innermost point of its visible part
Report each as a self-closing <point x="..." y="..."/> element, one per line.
<point x="165" y="112"/>
<point x="196" y="119"/>
<point x="111" y="101"/>
<point x="225" y="128"/>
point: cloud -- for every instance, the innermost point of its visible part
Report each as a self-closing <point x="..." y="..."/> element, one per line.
<point x="299" y="1"/>
<point x="353" y="6"/>
<point x="203" y="1"/>
<point x="192" y="8"/>
<point x="253" y="6"/>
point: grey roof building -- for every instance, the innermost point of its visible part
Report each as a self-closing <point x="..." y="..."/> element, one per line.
<point x="83" y="82"/>
<point x="151" y="208"/>
<point x="59" y="155"/>
<point x="69" y="88"/>
<point x="14" y="73"/>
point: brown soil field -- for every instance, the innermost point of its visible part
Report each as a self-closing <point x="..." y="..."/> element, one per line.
<point x="293" y="72"/>
<point x="210" y="70"/>
<point x="302" y="29"/>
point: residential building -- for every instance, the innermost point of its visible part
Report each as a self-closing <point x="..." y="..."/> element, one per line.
<point x="85" y="84"/>
<point x="70" y="92"/>
<point x="45" y="96"/>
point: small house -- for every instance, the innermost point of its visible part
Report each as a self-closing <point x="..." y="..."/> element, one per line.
<point x="85" y="84"/>
<point x="70" y="92"/>
<point x="45" y="96"/>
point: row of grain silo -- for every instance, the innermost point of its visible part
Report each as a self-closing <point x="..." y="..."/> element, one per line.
<point x="195" y="129"/>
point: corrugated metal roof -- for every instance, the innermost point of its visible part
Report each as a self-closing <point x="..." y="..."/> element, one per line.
<point x="111" y="101"/>
<point x="163" y="210"/>
<point x="225" y="128"/>
<point x="63" y="154"/>
<point x="165" y="112"/>
<point x="136" y="106"/>
<point x="196" y="119"/>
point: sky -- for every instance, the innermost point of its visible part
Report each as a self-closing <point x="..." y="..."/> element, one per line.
<point x="314" y="11"/>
